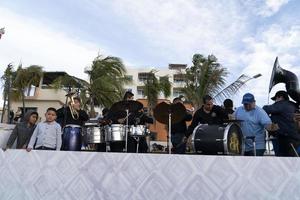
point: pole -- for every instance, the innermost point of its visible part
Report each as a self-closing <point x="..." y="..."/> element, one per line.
<point x="169" y="138"/>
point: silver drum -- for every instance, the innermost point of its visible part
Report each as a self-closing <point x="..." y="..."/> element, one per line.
<point x="94" y="134"/>
<point x="138" y="130"/>
<point x="115" y="132"/>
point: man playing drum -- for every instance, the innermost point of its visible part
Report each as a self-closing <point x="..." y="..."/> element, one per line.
<point x="207" y="114"/>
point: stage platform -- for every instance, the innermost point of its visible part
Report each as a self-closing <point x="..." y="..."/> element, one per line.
<point x="91" y="175"/>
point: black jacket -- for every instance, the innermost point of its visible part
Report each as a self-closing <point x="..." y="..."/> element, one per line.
<point x="282" y="113"/>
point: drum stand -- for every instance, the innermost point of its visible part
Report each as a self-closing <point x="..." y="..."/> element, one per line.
<point x="137" y="139"/>
<point x="169" y="134"/>
<point x="126" y="129"/>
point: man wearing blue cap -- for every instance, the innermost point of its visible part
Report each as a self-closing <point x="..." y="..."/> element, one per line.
<point x="254" y="122"/>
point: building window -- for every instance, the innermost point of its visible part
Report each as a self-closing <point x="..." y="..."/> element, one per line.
<point x="143" y="76"/>
<point x="178" y="78"/>
<point x="177" y="92"/>
<point x="30" y="91"/>
<point x="140" y="90"/>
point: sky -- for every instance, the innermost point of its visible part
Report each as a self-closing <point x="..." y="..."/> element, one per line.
<point x="66" y="35"/>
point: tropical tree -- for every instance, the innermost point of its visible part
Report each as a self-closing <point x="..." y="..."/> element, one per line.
<point x="154" y="86"/>
<point x="106" y="81"/>
<point x="25" y="78"/>
<point x="207" y="77"/>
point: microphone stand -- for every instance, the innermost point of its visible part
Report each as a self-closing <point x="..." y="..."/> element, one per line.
<point x="126" y="131"/>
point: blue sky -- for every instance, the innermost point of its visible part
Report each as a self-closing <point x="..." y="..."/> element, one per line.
<point x="246" y="35"/>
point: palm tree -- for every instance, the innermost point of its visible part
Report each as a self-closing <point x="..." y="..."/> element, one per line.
<point x="207" y="77"/>
<point x="25" y="78"/>
<point x="6" y="78"/>
<point x="106" y="81"/>
<point x="153" y="87"/>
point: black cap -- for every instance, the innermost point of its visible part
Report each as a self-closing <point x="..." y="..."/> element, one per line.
<point x="281" y="93"/>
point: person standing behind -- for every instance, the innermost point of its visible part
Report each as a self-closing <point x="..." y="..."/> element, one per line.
<point x="23" y="131"/>
<point x="228" y="106"/>
<point x="254" y="122"/>
<point x="282" y="112"/>
<point x="47" y="135"/>
<point x="178" y="131"/>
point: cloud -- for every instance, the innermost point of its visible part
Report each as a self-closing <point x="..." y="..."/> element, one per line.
<point x="260" y="54"/>
<point x="264" y="8"/>
<point x="31" y="41"/>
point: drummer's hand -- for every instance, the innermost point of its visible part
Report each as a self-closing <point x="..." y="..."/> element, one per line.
<point x="231" y="117"/>
<point x="28" y="149"/>
<point x="272" y="127"/>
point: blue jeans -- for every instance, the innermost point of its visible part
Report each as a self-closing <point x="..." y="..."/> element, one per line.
<point x="259" y="152"/>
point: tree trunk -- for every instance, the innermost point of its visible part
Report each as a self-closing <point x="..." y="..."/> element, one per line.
<point x="3" y="108"/>
<point x="92" y="111"/>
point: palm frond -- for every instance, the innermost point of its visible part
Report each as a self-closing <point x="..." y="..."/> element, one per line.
<point x="232" y="89"/>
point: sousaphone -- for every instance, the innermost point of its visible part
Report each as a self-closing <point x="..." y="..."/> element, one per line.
<point x="280" y="75"/>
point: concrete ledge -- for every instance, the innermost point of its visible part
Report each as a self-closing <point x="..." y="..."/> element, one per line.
<point x="91" y="175"/>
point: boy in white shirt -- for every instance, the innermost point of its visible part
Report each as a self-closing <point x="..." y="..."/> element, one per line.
<point x="47" y="134"/>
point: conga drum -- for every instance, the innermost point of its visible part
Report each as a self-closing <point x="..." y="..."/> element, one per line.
<point x="226" y="139"/>
<point x="72" y="138"/>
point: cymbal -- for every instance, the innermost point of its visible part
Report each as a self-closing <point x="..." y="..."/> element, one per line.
<point x="131" y="106"/>
<point x="162" y="111"/>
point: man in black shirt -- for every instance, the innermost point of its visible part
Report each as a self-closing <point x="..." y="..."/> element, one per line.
<point x="207" y="114"/>
<point x="178" y="131"/>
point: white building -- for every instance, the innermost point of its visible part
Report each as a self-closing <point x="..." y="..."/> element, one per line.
<point x="139" y="76"/>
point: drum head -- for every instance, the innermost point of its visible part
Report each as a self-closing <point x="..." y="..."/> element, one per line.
<point x="235" y="140"/>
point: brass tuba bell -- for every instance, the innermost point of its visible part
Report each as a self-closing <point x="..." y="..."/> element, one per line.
<point x="280" y="75"/>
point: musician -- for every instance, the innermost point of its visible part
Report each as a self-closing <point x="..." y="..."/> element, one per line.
<point x="135" y="118"/>
<point x="254" y="122"/>
<point x="64" y="115"/>
<point x="67" y="117"/>
<point x="228" y="106"/>
<point x="178" y="131"/>
<point x="282" y="112"/>
<point x="207" y="114"/>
